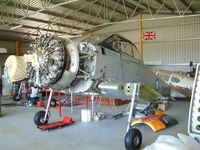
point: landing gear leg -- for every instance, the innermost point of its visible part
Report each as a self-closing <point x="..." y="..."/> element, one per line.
<point x="42" y="117"/>
<point x="133" y="138"/>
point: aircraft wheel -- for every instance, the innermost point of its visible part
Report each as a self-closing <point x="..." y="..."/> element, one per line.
<point x="16" y="97"/>
<point x="29" y="103"/>
<point x="53" y="103"/>
<point x="39" y="118"/>
<point x="133" y="139"/>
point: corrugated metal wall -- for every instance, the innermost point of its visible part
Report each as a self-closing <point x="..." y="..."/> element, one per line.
<point x="176" y="44"/>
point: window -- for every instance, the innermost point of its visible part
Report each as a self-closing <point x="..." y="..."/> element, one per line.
<point x="110" y="43"/>
<point x="175" y="80"/>
<point x="129" y="48"/>
<point x="126" y="47"/>
<point x="118" y="43"/>
<point x="103" y="51"/>
<point x="164" y="77"/>
<point x="136" y="53"/>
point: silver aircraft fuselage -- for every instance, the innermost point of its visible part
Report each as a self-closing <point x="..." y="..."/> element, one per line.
<point x="84" y="67"/>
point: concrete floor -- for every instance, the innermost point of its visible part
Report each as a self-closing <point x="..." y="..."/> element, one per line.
<point x="18" y="131"/>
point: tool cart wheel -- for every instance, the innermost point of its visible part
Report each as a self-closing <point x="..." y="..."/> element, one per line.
<point x="39" y="118"/>
<point x="53" y="103"/>
<point x="133" y="139"/>
<point x="16" y="97"/>
<point x="29" y="103"/>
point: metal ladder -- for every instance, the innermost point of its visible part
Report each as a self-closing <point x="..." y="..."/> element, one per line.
<point x="194" y="112"/>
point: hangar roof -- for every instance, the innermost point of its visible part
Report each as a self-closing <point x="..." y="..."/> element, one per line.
<point x="26" y="19"/>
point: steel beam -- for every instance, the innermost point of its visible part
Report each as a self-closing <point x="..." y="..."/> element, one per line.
<point x="16" y="32"/>
<point x="47" y="12"/>
<point x="44" y="29"/>
<point x="145" y="5"/>
<point x="82" y="11"/>
<point x="109" y="8"/>
<point x="167" y="6"/>
<point x="129" y="5"/>
<point x="42" y="21"/>
<point x="187" y="5"/>
<point x="42" y="10"/>
<point x="140" y="33"/>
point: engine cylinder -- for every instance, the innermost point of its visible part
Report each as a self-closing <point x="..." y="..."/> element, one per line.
<point x="58" y="61"/>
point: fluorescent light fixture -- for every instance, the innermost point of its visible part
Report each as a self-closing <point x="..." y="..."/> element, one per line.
<point x="3" y="50"/>
<point x="16" y="27"/>
<point x="157" y="63"/>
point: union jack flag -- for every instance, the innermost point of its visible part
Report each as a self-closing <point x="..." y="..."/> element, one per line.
<point x="149" y="35"/>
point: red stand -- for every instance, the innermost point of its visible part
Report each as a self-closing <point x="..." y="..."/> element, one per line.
<point x="77" y="99"/>
<point x="81" y="99"/>
<point x="60" y="104"/>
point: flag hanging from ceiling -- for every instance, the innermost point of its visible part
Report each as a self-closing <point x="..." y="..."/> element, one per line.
<point x="149" y="35"/>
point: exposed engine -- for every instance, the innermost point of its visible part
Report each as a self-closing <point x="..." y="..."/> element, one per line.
<point x="61" y="62"/>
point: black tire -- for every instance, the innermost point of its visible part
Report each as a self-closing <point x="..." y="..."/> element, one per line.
<point x="38" y="118"/>
<point x="16" y="97"/>
<point x="53" y="103"/>
<point x="133" y="139"/>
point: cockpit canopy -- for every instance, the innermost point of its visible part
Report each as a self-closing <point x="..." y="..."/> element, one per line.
<point x="115" y="42"/>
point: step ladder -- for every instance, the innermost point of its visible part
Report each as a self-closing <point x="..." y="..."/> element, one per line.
<point x="194" y="112"/>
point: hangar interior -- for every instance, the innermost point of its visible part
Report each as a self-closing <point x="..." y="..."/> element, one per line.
<point x="172" y="45"/>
